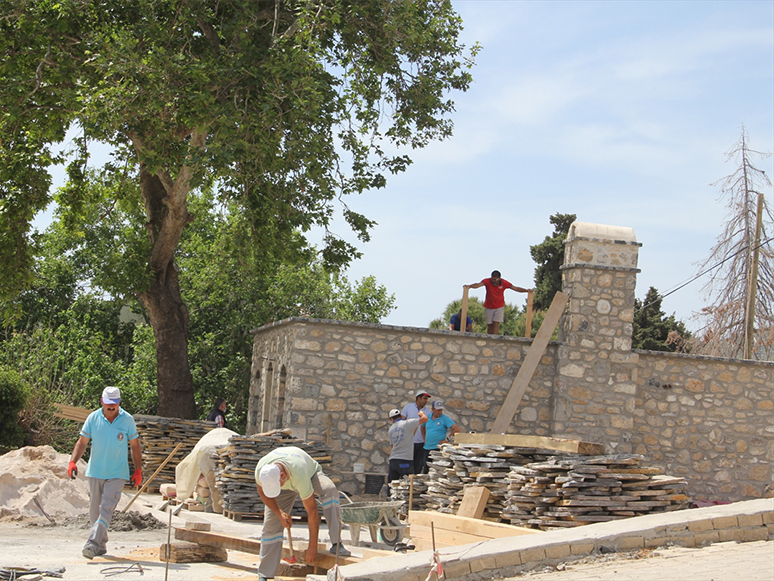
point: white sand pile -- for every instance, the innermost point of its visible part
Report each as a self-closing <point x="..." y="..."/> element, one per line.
<point x="34" y="483"/>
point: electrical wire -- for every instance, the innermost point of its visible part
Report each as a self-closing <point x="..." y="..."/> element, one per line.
<point x="710" y="269"/>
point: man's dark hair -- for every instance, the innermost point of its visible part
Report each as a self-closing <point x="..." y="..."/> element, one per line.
<point x="219" y="401"/>
<point x="496" y="274"/>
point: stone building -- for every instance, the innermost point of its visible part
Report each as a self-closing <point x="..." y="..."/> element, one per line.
<point x="710" y="420"/>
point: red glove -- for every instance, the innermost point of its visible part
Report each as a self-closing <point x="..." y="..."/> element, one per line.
<point x="72" y="469"/>
<point x="136" y="478"/>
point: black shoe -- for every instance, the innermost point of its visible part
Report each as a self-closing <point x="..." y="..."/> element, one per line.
<point x="340" y="550"/>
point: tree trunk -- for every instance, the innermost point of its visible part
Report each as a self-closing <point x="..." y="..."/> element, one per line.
<point x="167" y="216"/>
<point x="169" y="319"/>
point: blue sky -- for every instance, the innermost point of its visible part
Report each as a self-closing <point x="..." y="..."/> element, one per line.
<point x="618" y="112"/>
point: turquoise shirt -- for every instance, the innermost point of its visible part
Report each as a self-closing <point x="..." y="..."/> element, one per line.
<point x="300" y="466"/>
<point x="435" y="431"/>
<point x="109" y="444"/>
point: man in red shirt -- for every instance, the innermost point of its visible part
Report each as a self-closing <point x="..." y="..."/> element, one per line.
<point x="494" y="304"/>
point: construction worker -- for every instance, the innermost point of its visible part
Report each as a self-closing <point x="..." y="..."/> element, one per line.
<point x="281" y="476"/>
<point x="494" y="304"/>
<point x="112" y="433"/>
<point x="401" y="436"/>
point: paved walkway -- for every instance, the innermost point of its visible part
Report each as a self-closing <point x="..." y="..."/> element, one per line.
<point x="729" y="561"/>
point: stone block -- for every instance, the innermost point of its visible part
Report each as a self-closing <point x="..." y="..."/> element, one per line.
<point x="755" y="534"/>
<point x="509" y="559"/>
<point x="533" y="555"/>
<point x="750" y="520"/>
<point x="656" y="542"/>
<point x="456" y="569"/>
<point x="557" y="551"/>
<point x="724" y="522"/>
<point x="485" y="564"/>
<point x="768" y="517"/>
<point x="731" y="535"/>
<point x="706" y="538"/>
<point x="581" y="548"/>
<point x="627" y="543"/>
<point x="700" y="526"/>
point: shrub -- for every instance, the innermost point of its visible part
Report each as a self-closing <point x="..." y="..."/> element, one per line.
<point x="13" y="396"/>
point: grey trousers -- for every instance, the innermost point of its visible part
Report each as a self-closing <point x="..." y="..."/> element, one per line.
<point x="207" y="467"/>
<point x="103" y="499"/>
<point x="273" y="532"/>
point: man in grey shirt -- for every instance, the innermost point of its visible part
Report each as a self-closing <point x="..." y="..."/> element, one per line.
<point x="401" y="435"/>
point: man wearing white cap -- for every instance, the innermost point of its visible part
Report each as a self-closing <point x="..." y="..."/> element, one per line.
<point x="411" y="411"/>
<point x="281" y="476"/>
<point x="401" y="434"/>
<point x="112" y="433"/>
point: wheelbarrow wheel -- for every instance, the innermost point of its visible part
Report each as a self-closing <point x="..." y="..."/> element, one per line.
<point x="391" y="536"/>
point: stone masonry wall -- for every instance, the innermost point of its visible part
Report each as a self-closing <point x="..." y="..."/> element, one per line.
<point x="708" y="420"/>
<point x="343" y="378"/>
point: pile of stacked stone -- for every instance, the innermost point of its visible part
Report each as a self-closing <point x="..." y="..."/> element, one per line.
<point x="454" y="467"/>
<point x="235" y="476"/>
<point x="568" y="491"/>
<point x="404" y="490"/>
<point x="159" y="436"/>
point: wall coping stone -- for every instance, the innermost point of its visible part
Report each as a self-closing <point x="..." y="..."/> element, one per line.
<point x="702" y="357"/>
<point x="614" y="534"/>
<point x="599" y="267"/>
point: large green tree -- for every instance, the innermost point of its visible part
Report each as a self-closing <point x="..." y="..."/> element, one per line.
<point x="549" y="257"/>
<point x="281" y="106"/>
<point x="654" y="330"/>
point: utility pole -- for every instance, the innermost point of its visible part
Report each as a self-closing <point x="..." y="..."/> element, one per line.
<point x="752" y="286"/>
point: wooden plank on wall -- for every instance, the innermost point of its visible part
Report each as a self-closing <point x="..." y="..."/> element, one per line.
<point x="473" y="502"/>
<point x="527" y="370"/>
<point x="473" y="526"/>
<point x="524" y="441"/>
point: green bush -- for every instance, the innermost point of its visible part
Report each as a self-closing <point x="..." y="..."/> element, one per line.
<point x="13" y="396"/>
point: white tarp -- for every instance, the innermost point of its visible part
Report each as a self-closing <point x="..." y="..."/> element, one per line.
<point x="187" y="472"/>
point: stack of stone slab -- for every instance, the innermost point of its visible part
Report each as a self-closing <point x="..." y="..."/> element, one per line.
<point x="568" y="491"/>
<point x="404" y="490"/>
<point x="235" y="476"/>
<point x="455" y="466"/>
<point x="159" y="436"/>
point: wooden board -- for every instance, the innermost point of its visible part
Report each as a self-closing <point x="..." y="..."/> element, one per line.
<point x="474" y="501"/>
<point x="72" y="413"/>
<point x="325" y="559"/>
<point x="524" y="441"/>
<point x="196" y="525"/>
<point x="192" y="553"/>
<point x="527" y="370"/>
<point x="461" y="524"/>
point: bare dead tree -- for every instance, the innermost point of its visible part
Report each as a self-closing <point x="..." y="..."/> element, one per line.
<point x="728" y="288"/>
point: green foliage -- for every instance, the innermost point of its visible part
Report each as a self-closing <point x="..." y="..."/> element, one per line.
<point x="549" y="256"/>
<point x="13" y="396"/>
<point x="653" y="330"/>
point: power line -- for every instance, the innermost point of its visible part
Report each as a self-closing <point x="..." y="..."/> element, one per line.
<point x="711" y="268"/>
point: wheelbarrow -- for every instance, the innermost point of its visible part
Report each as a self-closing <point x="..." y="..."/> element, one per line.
<point x="381" y="518"/>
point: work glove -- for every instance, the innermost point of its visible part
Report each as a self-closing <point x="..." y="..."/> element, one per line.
<point x="72" y="469"/>
<point x="136" y="478"/>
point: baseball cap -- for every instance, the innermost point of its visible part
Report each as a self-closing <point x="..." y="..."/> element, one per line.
<point x="421" y="392"/>
<point x="111" y="395"/>
<point x="438" y="404"/>
<point x="269" y="479"/>
<point x="394" y="413"/>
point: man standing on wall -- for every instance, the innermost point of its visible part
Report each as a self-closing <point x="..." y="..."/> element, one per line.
<point x="411" y="411"/>
<point x="401" y="436"/>
<point x="494" y="304"/>
<point x="281" y="476"/>
<point x="112" y="433"/>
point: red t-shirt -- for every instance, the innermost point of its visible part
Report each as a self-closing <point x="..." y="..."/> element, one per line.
<point x="494" y="294"/>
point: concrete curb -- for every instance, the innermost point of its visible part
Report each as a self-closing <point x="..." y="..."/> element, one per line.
<point x="751" y="520"/>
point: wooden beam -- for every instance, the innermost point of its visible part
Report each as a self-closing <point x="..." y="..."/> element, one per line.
<point x="528" y="321"/>
<point x="523" y="441"/>
<point x="527" y="370"/>
<point x="192" y="553"/>
<point x="69" y="412"/>
<point x="325" y="559"/>
<point x="473" y="502"/>
<point x="471" y="526"/>
<point x="464" y="313"/>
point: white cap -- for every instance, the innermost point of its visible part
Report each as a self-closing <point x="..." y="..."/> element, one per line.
<point x="111" y="395"/>
<point x="438" y="404"/>
<point x="394" y="413"/>
<point x="269" y="479"/>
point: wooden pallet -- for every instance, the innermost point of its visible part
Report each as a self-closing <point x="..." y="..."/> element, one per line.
<point x="240" y="516"/>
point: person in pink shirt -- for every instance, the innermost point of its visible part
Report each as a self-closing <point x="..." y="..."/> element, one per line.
<point x="494" y="304"/>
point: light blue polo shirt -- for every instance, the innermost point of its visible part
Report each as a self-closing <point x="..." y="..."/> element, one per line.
<point x="109" y="444"/>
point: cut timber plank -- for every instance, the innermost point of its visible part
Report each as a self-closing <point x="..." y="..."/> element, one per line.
<point x="474" y="502"/>
<point x="72" y="413"/>
<point x="192" y="553"/>
<point x="471" y="526"/>
<point x="196" y="525"/>
<point x="527" y="370"/>
<point x="422" y="538"/>
<point x="542" y="442"/>
<point x="325" y="559"/>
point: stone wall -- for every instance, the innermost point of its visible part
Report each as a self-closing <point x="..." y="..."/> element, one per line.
<point x="709" y="420"/>
<point x="343" y="378"/>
